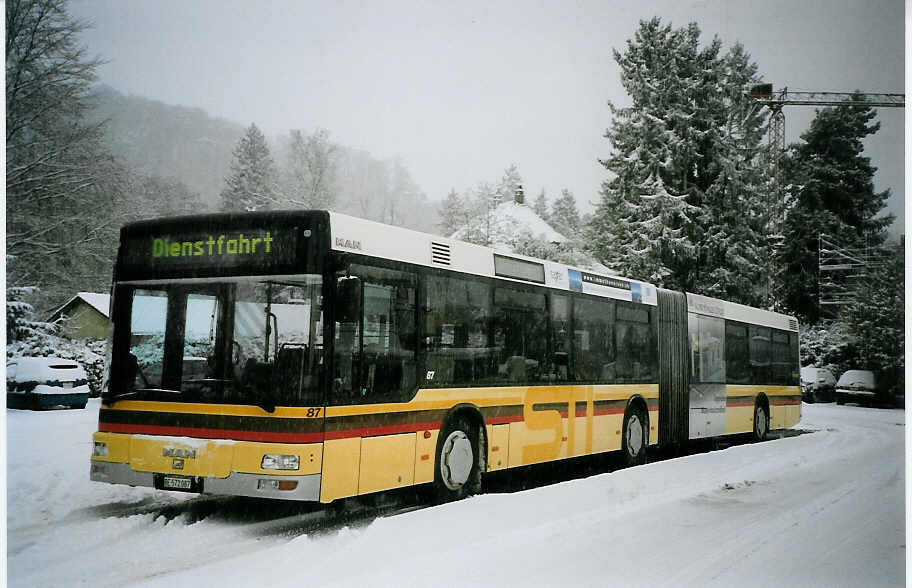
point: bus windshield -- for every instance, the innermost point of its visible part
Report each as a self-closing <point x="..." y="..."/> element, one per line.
<point x="239" y="341"/>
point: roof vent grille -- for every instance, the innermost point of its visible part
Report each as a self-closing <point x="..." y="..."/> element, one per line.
<point x="793" y="325"/>
<point x="440" y="253"/>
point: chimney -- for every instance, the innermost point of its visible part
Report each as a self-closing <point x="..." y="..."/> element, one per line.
<point x="518" y="196"/>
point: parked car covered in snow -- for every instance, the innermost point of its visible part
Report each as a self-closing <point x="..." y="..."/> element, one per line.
<point x="857" y="386"/>
<point x="45" y="382"/>
<point x="817" y="384"/>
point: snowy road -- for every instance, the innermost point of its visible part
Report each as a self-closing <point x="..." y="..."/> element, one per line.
<point x="824" y="508"/>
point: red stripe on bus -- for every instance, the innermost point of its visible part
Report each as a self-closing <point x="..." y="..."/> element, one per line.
<point x="211" y="433"/>
<point x="748" y="403"/>
<point x="504" y="420"/>
<point x="384" y="430"/>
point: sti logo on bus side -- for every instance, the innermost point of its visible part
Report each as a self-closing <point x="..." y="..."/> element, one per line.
<point x="178" y="452"/>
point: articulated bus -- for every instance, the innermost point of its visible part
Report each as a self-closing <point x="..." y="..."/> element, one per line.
<point x="309" y="355"/>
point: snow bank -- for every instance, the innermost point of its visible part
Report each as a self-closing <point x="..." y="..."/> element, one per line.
<point x="824" y="508"/>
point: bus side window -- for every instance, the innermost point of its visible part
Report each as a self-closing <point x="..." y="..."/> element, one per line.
<point x="559" y="369"/>
<point x="636" y="345"/>
<point x="707" y="348"/>
<point x="737" y="363"/>
<point x="458" y="316"/>
<point x="520" y="335"/>
<point x="594" y="353"/>
<point x="781" y="363"/>
<point x="759" y="354"/>
<point x="376" y="357"/>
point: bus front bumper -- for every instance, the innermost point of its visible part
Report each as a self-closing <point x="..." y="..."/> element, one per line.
<point x="304" y="488"/>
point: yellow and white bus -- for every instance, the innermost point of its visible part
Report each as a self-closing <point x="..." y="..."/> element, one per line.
<point x="314" y="356"/>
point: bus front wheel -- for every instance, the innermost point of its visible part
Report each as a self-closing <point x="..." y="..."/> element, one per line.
<point x="458" y="472"/>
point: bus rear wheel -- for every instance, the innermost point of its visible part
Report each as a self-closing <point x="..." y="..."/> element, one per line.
<point x="761" y="422"/>
<point x="635" y="439"/>
<point x="458" y="471"/>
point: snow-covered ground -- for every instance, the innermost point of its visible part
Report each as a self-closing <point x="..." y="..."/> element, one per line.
<point x="824" y="508"/>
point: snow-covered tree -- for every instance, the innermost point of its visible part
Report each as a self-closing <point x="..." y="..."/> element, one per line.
<point x="564" y="215"/>
<point x="540" y="207"/>
<point x="310" y="176"/>
<point x="453" y="214"/>
<point x="66" y="196"/>
<point x="684" y="159"/>
<point x="21" y="322"/>
<point x="251" y="182"/>
<point x="831" y="191"/>
<point x="508" y="186"/>
<point x="480" y="209"/>
<point x="877" y="319"/>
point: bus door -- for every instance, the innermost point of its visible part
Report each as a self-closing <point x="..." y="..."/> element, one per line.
<point x="707" y="388"/>
<point x="368" y="446"/>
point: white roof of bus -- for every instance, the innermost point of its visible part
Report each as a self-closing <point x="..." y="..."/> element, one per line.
<point x="699" y="304"/>
<point x="355" y="235"/>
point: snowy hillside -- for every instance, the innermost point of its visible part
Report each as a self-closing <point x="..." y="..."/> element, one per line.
<point x="824" y="508"/>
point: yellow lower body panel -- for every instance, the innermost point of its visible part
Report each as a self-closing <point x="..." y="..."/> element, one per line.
<point x="386" y="462"/>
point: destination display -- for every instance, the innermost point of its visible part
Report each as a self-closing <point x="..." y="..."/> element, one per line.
<point x="233" y="251"/>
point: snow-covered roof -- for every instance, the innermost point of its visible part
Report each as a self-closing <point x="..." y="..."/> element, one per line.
<point x="509" y="219"/>
<point x="98" y="301"/>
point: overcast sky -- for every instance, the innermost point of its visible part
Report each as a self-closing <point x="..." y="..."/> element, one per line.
<point x="460" y="90"/>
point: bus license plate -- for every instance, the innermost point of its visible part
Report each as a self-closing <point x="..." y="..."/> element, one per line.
<point x="176" y="483"/>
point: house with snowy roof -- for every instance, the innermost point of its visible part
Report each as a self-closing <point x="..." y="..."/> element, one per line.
<point x="84" y="316"/>
<point x="513" y="221"/>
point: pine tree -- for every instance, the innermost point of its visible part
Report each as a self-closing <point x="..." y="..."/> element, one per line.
<point x="540" y="207"/>
<point x="251" y="183"/>
<point x="832" y="193"/>
<point x="480" y="211"/>
<point x="680" y="166"/>
<point x="738" y="211"/>
<point x="564" y="216"/>
<point x="452" y="214"/>
<point x="508" y="186"/>
<point x="877" y="317"/>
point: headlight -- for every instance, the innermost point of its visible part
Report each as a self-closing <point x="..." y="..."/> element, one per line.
<point x="99" y="449"/>
<point x="280" y="462"/>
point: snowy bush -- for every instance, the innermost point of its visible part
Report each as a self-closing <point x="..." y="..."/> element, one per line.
<point x="830" y="345"/>
<point x="20" y="315"/>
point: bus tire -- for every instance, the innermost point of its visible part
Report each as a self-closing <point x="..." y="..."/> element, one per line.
<point x="457" y="471"/>
<point x="761" y="422"/>
<point x="635" y="438"/>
